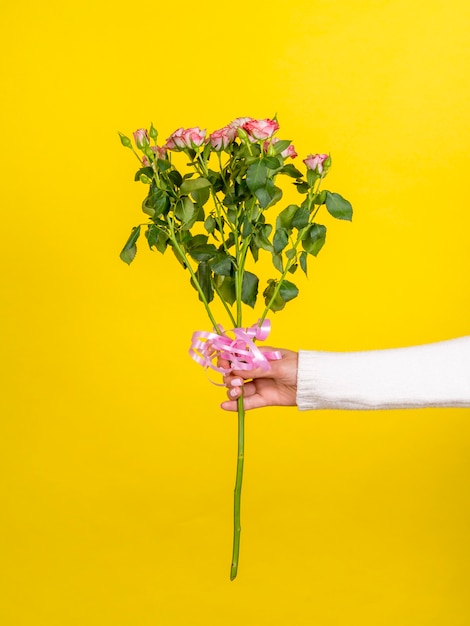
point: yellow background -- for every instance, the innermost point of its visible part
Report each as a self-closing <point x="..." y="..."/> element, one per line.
<point x="118" y="464"/>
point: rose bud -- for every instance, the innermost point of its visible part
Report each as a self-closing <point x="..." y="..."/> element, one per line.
<point x="141" y="138"/>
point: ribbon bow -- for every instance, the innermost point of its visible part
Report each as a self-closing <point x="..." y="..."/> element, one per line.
<point x="241" y="351"/>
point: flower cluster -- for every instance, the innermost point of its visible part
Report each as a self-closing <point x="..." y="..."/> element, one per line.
<point x="230" y="200"/>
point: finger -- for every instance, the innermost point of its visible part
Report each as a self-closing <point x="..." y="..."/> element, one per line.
<point x="253" y="402"/>
<point x="230" y="380"/>
<point x="229" y="405"/>
<point x="234" y="393"/>
<point x="248" y="389"/>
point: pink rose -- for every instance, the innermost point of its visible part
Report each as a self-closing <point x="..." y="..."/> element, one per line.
<point x="260" y="129"/>
<point x="175" y="140"/>
<point x="189" y="138"/>
<point x="141" y="138"/>
<point x="239" y="122"/>
<point x="288" y="152"/>
<point x="220" y="139"/>
<point x="194" y="137"/>
<point x="316" y="162"/>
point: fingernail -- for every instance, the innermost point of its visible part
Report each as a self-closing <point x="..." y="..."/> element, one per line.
<point x="237" y="382"/>
<point x="233" y="393"/>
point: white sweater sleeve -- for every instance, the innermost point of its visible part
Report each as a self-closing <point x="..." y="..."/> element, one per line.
<point x="432" y="375"/>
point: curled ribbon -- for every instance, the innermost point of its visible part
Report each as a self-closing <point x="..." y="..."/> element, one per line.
<point x="241" y="351"/>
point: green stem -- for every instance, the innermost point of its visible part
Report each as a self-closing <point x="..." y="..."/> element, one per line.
<point x="240" y="256"/>
<point x="238" y="490"/>
<point x="289" y="263"/>
<point x="227" y="308"/>
<point x="193" y="275"/>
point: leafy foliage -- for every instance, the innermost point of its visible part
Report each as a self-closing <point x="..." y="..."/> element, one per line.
<point x="221" y="207"/>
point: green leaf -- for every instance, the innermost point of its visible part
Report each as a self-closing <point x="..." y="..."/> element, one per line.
<point x="280" y="239"/>
<point x="285" y="217"/>
<point x="203" y="252"/>
<point x="197" y="240"/>
<point x="226" y="287"/>
<point x="147" y="210"/>
<point x="130" y="249"/>
<point x="300" y="219"/>
<point x="201" y="216"/>
<point x="272" y="162"/>
<point x="175" y="178"/>
<point x="320" y="198"/>
<point x="291" y="253"/>
<point x="201" y="196"/>
<point x="288" y="290"/>
<point x="204" y="278"/>
<point x="146" y="171"/>
<point x="281" y="145"/>
<point x="312" y="177"/>
<point x="156" y="203"/>
<point x="163" y="165"/>
<point x="232" y="215"/>
<point x="254" y="249"/>
<point x="256" y="176"/>
<point x="302" y="187"/>
<point x="249" y="288"/>
<point x="277" y="262"/>
<point x="210" y="224"/>
<point x="230" y="240"/>
<point x="338" y="206"/>
<point x="186" y="212"/>
<point x="293" y="268"/>
<point x="194" y="184"/>
<point x="278" y="303"/>
<point x="156" y="237"/>
<point x="247" y="227"/>
<point x="268" y="195"/>
<point x="263" y="197"/>
<point x="303" y="262"/>
<point x="262" y="237"/>
<point x="222" y="264"/>
<point x="290" y="169"/>
<point x="314" y="239"/>
<point x="276" y="195"/>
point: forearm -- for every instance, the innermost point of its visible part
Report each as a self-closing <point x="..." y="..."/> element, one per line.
<point x="433" y="375"/>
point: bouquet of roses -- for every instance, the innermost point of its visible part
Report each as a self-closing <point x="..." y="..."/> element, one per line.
<point x="216" y="215"/>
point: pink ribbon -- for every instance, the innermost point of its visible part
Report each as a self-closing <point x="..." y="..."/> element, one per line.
<point x="241" y="351"/>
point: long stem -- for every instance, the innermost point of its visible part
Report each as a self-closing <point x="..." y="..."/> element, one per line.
<point x="193" y="276"/>
<point x="238" y="490"/>
<point x="241" y="257"/>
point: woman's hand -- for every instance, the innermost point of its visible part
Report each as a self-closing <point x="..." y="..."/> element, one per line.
<point x="275" y="387"/>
